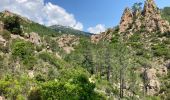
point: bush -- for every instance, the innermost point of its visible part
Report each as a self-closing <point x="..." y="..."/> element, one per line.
<point x="12" y="24"/>
<point x="24" y="51"/>
<point x="135" y="37"/>
<point x="34" y="94"/>
<point x="4" y="49"/>
<point x="161" y="50"/>
<point x="49" y="58"/>
<point x="6" y="35"/>
<point x="76" y="88"/>
<point x="10" y="88"/>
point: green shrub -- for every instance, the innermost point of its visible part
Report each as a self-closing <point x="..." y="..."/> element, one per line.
<point x="49" y="58"/>
<point x="161" y="50"/>
<point x="24" y="51"/>
<point x="76" y="88"/>
<point x="10" y="88"/>
<point x="39" y="48"/>
<point x="34" y="94"/>
<point x="6" y="35"/>
<point x="12" y="24"/>
<point x="4" y="49"/>
<point x="135" y="37"/>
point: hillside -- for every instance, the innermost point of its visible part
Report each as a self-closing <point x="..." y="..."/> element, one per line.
<point x="69" y="30"/>
<point x="127" y="62"/>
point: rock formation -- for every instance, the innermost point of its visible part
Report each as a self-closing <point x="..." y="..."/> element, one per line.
<point x="148" y="20"/>
<point x="104" y="35"/>
<point x="126" y="20"/>
<point x="153" y="84"/>
<point x="67" y="42"/>
<point x="34" y="38"/>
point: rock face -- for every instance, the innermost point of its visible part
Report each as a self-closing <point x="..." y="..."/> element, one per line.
<point x="104" y="35"/>
<point x="67" y="42"/>
<point x="153" y="84"/>
<point x="34" y="38"/>
<point x="126" y="20"/>
<point x="148" y="20"/>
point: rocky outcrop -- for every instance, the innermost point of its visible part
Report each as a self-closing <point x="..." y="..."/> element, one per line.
<point x="1" y="26"/>
<point x="67" y="42"/>
<point x="31" y="37"/>
<point x="153" y="84"/>
<point x="104" y="35"/>
<point x="34" y="38"/>
<point x="149" y="20"/>
<point x="126" y="20"/>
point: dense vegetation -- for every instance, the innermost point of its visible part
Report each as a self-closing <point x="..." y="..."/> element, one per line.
<point x="107" y="70"/>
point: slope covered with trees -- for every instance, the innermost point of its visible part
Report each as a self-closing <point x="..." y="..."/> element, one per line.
<point x="128" y="62"/>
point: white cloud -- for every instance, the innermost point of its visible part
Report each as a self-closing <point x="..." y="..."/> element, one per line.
<point x="97" y="29"/>
<point x="41" y="12"/>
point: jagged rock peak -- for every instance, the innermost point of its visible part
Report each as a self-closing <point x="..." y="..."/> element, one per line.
<point x="149" y="20"/>
<point x="126" y="20"/>
<point x="150" y="8"/>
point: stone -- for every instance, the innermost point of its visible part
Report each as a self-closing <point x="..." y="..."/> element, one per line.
<point x="104" y="35"/>
<point x="34" y="38"/>
<point x="68" y="42"/>
<point x="149" y="20"/>
<point x="153" y="84"/>
<point x="126" y="20"/>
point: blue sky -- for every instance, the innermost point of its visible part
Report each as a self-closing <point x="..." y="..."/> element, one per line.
<point x="87" y="15"/>
<point x="93" y="12"/>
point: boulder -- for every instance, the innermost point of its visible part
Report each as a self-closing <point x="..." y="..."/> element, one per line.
<point x="34" y="38"/>
<point x="67" y="42"/>
<point x="153" y="84"/>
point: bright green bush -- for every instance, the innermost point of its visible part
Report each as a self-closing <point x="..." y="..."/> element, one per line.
<point x="24" y="51"/>
<point x="49" y="58"/>
<point x="10" y="88"/>
<point x="76" y="88"/>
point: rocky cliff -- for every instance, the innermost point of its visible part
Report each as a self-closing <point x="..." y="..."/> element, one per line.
<point x="147" y="20"/>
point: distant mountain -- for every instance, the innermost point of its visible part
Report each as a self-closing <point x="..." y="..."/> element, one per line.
<point x="69" y="30"/>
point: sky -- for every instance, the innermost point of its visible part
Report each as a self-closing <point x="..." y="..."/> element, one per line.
<point x="87" y="15"/>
